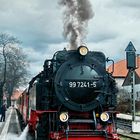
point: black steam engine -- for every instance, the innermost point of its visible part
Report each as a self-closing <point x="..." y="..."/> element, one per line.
<point x="73" y="98"/>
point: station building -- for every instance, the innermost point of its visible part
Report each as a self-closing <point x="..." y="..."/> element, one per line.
<point x="15" y="96"/>
<point x="123" y="77"/>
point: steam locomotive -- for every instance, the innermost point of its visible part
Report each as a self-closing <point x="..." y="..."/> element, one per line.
<point x="73" y="98"/>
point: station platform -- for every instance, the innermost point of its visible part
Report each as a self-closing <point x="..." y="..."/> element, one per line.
<point x="10" y="129"/>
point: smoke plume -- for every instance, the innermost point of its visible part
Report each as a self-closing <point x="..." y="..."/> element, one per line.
<point x="77" y="13"/>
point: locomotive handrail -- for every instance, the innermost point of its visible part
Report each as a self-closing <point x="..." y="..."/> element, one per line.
<point x="95" y="121"/>
<point x="81" y="121"/>
<point x="108" y="60"/>
<point x="34" y="78"/>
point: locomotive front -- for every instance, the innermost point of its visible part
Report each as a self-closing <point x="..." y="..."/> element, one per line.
<point x="80" y="80"/>
<point x="75" y="95"/>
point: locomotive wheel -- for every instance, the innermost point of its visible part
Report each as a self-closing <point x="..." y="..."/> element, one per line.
<point x="42" y="128"/>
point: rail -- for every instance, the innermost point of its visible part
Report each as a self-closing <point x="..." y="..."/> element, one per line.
<point x="130" y="136"/>
<point x="125" y="132"/>
<point x="124" y="126"/>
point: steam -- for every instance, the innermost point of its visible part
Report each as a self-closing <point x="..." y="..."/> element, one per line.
<point x="77" y="13"/>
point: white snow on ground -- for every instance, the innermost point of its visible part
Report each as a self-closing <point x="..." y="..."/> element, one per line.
<point x="9" y="136"/>
<point x="16" y="137"/>
<point x="12" y="137"/>
<point x="24" y="134"/>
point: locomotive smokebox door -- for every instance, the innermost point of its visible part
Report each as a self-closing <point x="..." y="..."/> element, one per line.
<point x="131" y="56"/>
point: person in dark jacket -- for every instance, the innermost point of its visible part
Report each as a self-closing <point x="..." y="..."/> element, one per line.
<point x="3" y="110"/>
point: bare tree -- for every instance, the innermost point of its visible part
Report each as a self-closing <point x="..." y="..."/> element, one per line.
<point x="16" y="69"/>
<point x="13" y="62"/>
<point x="124" y="101"/>
<point x="123" y="95"/>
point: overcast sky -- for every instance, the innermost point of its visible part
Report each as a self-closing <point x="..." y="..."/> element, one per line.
<point x="39" y="25"/>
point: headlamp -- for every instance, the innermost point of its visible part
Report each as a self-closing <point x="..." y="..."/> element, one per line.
<point x="104" y="116"/>
<point x="83" y="50"/>
<point x="64" y="116"/>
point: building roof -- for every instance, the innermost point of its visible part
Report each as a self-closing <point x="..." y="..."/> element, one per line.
<point x="127" y="80"/>
<point x="16" y="94"/>
<point x="120" y="68"/>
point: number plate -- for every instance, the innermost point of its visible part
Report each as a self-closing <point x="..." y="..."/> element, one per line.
<point x="82" y="84"/>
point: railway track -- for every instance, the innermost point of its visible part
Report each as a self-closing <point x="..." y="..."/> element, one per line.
<point x="125" y="130"/>
<point x="125" y="136"/>
<point x="124" y="126"/>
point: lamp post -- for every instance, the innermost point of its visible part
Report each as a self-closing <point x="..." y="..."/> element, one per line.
<point x="131" y="66"/>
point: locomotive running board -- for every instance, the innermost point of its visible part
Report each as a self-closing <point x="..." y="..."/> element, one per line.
<point x="86" y="134"/>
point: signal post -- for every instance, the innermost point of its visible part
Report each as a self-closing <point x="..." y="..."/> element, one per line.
<point x="131" y="66"/>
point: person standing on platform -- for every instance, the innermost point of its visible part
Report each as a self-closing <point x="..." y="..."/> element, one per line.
<point x="3" y="111"/>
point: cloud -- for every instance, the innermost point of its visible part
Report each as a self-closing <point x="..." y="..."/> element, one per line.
<point x="33" y="21"/>
<point x="37" y="58"/>
<point x="116" y="24"/>
<point x="39" y="25"/>
<point x="125" y="3"/>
